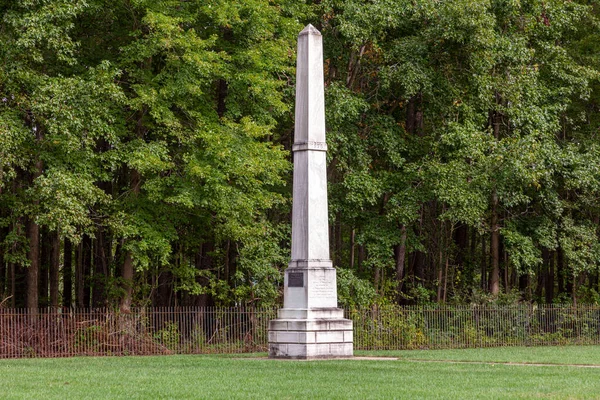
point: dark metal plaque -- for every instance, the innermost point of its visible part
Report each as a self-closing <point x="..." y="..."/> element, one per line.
<point x="296" y="279"/>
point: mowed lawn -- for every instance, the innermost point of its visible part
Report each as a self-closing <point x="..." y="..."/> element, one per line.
<point x="441" y="374"/>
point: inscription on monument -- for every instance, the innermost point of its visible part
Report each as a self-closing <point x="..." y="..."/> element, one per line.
<point x="295" y="279"/>
<point x="323" y="288"/>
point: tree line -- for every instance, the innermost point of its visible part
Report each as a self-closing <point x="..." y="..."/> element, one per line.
<point x="145" y="150"/>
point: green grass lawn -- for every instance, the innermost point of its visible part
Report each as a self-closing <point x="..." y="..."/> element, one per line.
<point x="211" y="377"/>
<point x="583" y="355"/>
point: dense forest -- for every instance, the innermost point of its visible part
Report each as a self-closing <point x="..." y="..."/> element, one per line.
<point x="145" y="150"/>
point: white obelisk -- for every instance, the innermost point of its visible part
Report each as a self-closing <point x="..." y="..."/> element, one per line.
<point x="310" y="325"/>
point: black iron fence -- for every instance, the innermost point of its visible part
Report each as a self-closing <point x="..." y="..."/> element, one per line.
<point x="194" y="330"/>
<point x="443" y="327"/>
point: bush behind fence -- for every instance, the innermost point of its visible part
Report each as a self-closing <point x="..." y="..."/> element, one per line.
<point x="194" y="330"/>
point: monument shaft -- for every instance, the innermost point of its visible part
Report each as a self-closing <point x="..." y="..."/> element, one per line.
<point x="310" y="236"/>
<point x="310" y="325"/>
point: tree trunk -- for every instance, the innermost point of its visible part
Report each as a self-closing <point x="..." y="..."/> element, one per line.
<point x="460" y="238"/>
<point x="412" y="125"/>
<point x="542" y="274"/>
<point x="578" y="281"/>
<point x="550" y="279"/>
<point x="419" y="256"/>
<point x="33" y="235"/>
<point x="414" y="115"/>
<point x="3" y="280"/>
<point x="495" y="248"/>
<point x="2" y="277"/>
<point x="87" y="271"/>
<point x="472" y="245"/>
<point x="164" y="290"/>
<point x="561" y="273"/>
<point x="496" y="122"/>
<point x="569" y="289"/>
<point x="524" y="286"/>
<point x="204" y="262"/>
<point x="440" y="276"/>
<point x="128" y="283"/>
<point x="44" y="273"/>
<point x="483" y="266"/>
<point x="354" y="66"/>
<point x="79" y="278"/>
<point x="400" y="253"/>
<point x="361" y="258"/>
<point x="419" y="266"/>
<point x="507" y="287"/>
<point x="12" y="276"/>
<point x="19" y="287"/>
<point x="127" y="270"/>
<point x="99" y="246"/>
<point x="226" y="262"/>
<point x="67" y="274"/>
<point x="446" y="280"/>
<point x="232" y="258"/>
<point x="352" y="248"/>
<point x="33" y="229"/>
<point x="18" y="273"/>
<point x="54" y="269"/>
<point x="82" y="272"/>
<point x="118" y="258"/>
<point x="440" y="265"/>
<point x="338" y="240"/>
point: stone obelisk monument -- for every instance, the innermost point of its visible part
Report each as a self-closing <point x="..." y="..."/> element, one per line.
<point x="310" y="325"/>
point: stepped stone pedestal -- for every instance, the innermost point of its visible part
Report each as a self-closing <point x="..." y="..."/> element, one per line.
<point x="310" y="325"/>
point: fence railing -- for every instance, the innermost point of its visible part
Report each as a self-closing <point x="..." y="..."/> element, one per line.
<point x="443" y="327"/>
<point x="194" y="330"/>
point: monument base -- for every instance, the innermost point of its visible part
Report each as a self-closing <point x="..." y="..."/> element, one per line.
<point x="314" y="333"/>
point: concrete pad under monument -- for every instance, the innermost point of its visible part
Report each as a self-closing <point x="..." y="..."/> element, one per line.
<point x="310" y="325"/>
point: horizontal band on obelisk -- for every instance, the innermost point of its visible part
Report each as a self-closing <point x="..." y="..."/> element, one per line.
<point x="310" y="264"/>
<point x="318" y="146"/>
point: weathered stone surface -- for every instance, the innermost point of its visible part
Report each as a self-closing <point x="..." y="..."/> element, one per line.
<point x="310" y="237"/>
<point x="310" y="325"/>
<point x="319" y="289"/>
<point x="311" y="313"/>
<point x="278" y="325"/>
<point x="310" y="351"/>
<point x="349" y="336"/>
<point x="330" y="337"/>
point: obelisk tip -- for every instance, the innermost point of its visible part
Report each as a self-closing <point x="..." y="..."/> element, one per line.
<point x="310" y="30"/>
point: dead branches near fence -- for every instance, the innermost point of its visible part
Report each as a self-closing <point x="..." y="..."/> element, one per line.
<point x="49" y="333"/>
<point x="187" y="330"/>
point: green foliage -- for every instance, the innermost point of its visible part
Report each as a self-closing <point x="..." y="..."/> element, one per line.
<point x="387" y="327"/>
<point x="580" y="245"/>
<point x="65" y="200"/>
<point x="419" y="294"/>
<point x="162" y="130"/>
<point x="353" y="291"/>
<point x="437" y="109"/>
<point x="524" y="254"/>
<point x="133" y="135"/>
